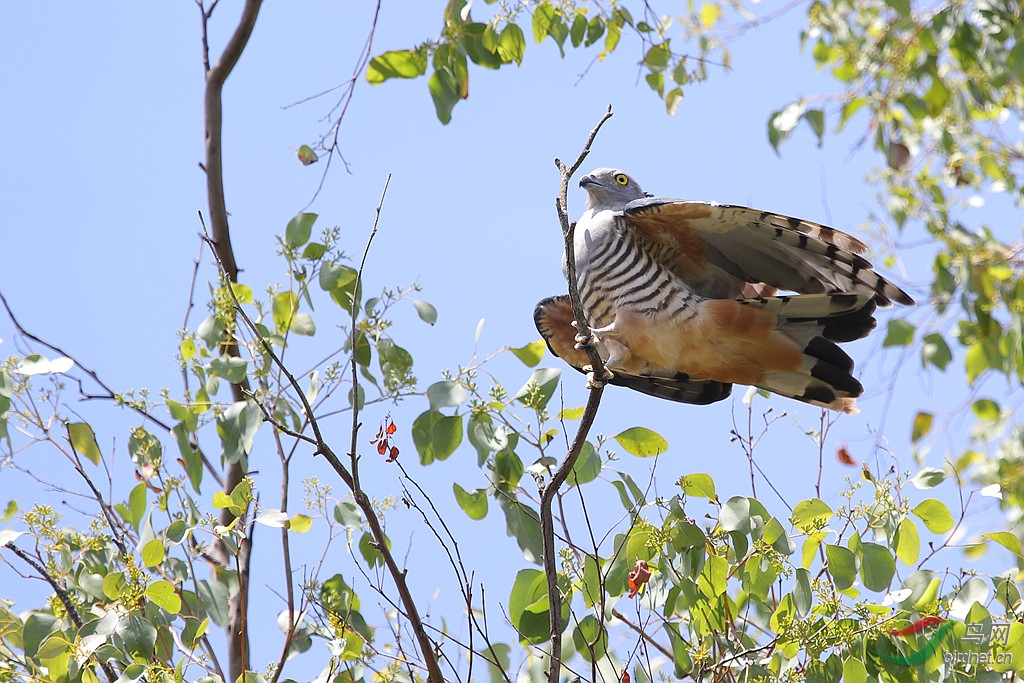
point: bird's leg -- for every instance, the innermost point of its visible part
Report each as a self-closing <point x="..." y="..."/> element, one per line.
<point x="584" y="341"/>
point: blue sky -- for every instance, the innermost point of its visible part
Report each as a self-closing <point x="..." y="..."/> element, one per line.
<point x="102" y="136"/>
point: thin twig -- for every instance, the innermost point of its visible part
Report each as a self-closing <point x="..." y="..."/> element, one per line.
<point x="64" y="598"/>
<point x="354" y="311"/>
<point x="110" y="395"/>
<point x="409" y="608"/>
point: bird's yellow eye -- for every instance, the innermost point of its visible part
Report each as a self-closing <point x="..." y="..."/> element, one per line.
<point x="622" y="179"/>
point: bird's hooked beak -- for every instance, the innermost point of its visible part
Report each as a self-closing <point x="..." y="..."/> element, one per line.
<point x="587" y="180"/>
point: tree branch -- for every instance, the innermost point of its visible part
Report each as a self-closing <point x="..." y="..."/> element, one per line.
<point x="549" y="492"/>
<point x="216" y="76"/>
<point x="350" y="478"/>
<point x="64" y="598"/>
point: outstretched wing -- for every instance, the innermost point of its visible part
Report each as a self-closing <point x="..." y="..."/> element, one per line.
<point x="554" y="317"/>
<point x="725" y="251"/>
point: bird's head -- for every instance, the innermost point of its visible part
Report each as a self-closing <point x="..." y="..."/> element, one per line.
<point x="610" y="188"/>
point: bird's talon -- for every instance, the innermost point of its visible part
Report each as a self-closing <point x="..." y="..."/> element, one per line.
<point x="593" y="382"/>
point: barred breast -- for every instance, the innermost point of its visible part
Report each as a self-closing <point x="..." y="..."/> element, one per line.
<point x="617" y="270"/>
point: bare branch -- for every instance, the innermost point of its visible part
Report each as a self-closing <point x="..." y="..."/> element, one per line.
<point x="216" y="75"/>
<point x="64" y="598"/>
<point x="549" y="492"/>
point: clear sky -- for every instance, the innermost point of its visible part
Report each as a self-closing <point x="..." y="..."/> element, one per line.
<point x="101" y="136"/>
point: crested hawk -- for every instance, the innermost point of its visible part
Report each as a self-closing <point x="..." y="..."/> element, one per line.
<point x="682" y="298"/>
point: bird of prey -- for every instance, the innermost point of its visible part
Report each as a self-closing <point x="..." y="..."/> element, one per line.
<point x="682" y="298"/>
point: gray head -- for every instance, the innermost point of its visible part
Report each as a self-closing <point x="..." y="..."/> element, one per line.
<point x="610" y="188"/>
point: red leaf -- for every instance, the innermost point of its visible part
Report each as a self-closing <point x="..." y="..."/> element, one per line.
<point x="640" y="575"/>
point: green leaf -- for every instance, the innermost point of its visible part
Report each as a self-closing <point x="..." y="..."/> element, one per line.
<point x="137" y="506"/>
<point x="986" y="410"/>
<point x="928" y="477"/>
<point x="314" y="251"/>
<point x="682" y="662"/>
<point x="446" y="394"/>
<point x="237" y="427"/>
<point x="508" y="469"/>
<point x="543" y="17"/>
<point x="641" y="442"/>
<point x="285" y="306"/>
<point x="485" y="436"/>
<point x="816" y="120"/>
<point x="877" y="566"/>
<point x="528" y="606"/>
<point x="300" y="523"/>
<point x="657" y="56"/>
<point x="672" y="99"/>
<point x="395" y="364"/>
<point x="828" y="671"/>
<point x="539" y="389"/>
<point x="578" y="31"/>
<point x="908" y="542"/>
<point x="162" y="593"/>
<point x="590" y="638"/>
<point x="782" y="123"/>
<point x="586" y="468"/>
<point x="842" y="566"/>
<point x="230" y="368"/>
<point x="530" y="354"/>
<point x="902" y="7"/>
<point x="307" y="156"/>
<point x="512" y="44"/>
<point x="303" y="324"/>
<point x="333" y="277"/>
<point x="802" y="593"/>
<point x="1007" y="540"/>
<point x="436" y="435"/>
<point x="901" y="333"/>
<point x="370" y="550"/>
<point x="935" y="515"/>
<point x="396" y="64"/>
<point x="700" y="485"/>
<point x="810" y="514"/>
<point x="299" y="229"/>
<point x="445" y="92"/>
<point x="934" y="350"/>
<point x="595" y="29"/>
<point x="138" y="635"/>
<point x="922" y="425"/>
<point x="523" y="523"/>
<point x="854" y="670"/>
<point x="84" y="441"/>
<point x="977" y="361"/>
<point x="688" y="535"/>
<point x="735" y="515"/>
<point x="425" y="311"/>
<point x="153" y="553"/>
<point x="611" y="39"/>
<point x="348" y="515"/>
<point x="473" y="504"/>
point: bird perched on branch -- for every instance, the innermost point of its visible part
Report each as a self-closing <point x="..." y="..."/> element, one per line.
<point x="682" y="298"/>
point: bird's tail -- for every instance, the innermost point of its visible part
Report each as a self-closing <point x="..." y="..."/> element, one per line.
<point x="817" y="322"/>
